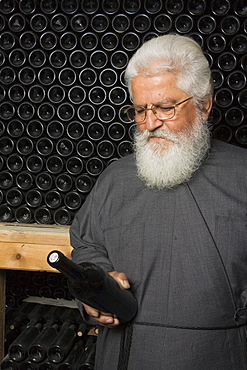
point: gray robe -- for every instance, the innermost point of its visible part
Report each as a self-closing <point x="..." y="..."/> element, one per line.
<point x="184" y="251"/>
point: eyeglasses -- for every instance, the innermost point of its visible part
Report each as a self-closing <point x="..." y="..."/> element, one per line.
<point x="138" y="113"/>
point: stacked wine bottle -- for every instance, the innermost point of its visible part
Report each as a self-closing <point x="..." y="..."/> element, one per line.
<point x="42" y="336"/>
<point x="63" y="95"/>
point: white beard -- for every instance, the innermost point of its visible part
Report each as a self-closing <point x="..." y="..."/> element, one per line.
<point x="163" y="166"/>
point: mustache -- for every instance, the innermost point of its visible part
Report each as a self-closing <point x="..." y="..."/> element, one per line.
<point x="161" y="134"/>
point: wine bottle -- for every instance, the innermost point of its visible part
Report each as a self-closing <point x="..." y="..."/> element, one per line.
<point x="46" y="111"/>
<point x="94" y="166"/>
<point x="27" y="364"/>
<point x="65" y="111"/>
<point x="24" y="180"/>
<point x="55" y="129"/>
<point x="69" y="7"/>
<point x="78" y="59"/>
<point x="56" y="94"/>
<point x="7" y="75"/>
<point x="26" y="75"/>
<point x="6" y="180"/>
<point x="64" y="182"/>
<point x="84" y="183"/>
<point x="89" y="41"/>
<point x="88" y="359"/>
<point x="90" y="6"/>
<point x="34" y="163"/>
<point x="44" y="181"/>
<point x="92" y="285"/>
<point x="100" y="23"/>
<point x="17" y="22"/>
<point x="53" y="199"/>
<point x="18" y="349"/>
<point x="74" y="165"/>
<point x="48" y="40"/>
<point x="98" y="59"/>
<point x="105" y="149"/>
<point x="14" y="163"/>
<point x="8" y="364"/>
<point x="58" y="58"/>
<point x="62" y="216"/>
<point x="59" y="22"/>
<point x="7" y="40"/>
<point x="33" y="198"/>
<point x="64" y="341"/>
<point x="74" y="358"/>
<point x="23" y="215"/>
<point x="97" y="95"/>
<point x="65" y="147"/>
<point x="14" y="325"/>
<point x="25" y="110"/>
<point x="87" y="77"/>
<point x="28" y="40"/>
<point x="110" y="7"/>
<point x="21" y="316"/>
<point x="14" y="197"/>
<point x="75" y="130"/>
<point x="27" y="6"/>
<point x="38" y="22"/>
<point x="79" y="22"/>
<point x="120" y="23"/>
<point x="6" y="145"/>
<point x="44" y="146"/>
<point x="17" y="58"/>
<point x="130" y="41"/>
<point x="43" y="215"/>
<point x="95" y="131"/>
<point x="68" y="41"/>
<point x="47" y="365"/>
<point x="16" y="93"/>
<point x="37" y="350"/>
<point x="73" y="200"/>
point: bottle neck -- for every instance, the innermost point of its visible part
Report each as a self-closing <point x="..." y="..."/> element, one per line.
<point x="63" y="264"/>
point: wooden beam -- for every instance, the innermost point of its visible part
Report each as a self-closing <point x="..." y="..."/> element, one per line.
<point x="34" y="233"/>
<point x="25" y="247"/>
<point x="29" y="257"/>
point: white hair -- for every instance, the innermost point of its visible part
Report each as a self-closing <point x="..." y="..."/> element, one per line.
<point x="177" y="54"/>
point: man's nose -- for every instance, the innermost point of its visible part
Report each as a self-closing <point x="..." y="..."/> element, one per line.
<point x="152" y="122"/>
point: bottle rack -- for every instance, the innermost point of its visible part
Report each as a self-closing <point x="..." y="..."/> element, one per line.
<point x="25" y="247"/>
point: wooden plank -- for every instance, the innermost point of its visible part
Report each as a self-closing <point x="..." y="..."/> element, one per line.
<point x="30" y="257"/>
<point x="34" y="233"/>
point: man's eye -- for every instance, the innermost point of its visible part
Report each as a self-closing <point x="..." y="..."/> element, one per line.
<point x="140" y="110"/>
<point x="165" y="109"/>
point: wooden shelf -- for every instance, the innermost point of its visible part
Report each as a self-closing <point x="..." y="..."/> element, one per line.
<point x="25" y="247"/>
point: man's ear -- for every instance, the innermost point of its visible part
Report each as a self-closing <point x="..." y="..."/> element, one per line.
<point x="207" y="106"/>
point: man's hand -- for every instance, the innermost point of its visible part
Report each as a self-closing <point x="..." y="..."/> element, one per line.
<point x="108" y="319"/>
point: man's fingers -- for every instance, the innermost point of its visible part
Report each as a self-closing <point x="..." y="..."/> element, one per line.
<point x="105" y="319"/>
<point x="91" y="311"/>
<point x="121" y="278"/>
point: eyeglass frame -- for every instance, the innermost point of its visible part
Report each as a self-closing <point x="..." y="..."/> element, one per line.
<point x="155" y="105"/>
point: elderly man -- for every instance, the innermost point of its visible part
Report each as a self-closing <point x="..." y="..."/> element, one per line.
<point x="169" y="223"/>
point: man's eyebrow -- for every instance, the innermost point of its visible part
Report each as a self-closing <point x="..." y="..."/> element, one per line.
<point x="166" y="101"/>
<point x="161" y="102"/>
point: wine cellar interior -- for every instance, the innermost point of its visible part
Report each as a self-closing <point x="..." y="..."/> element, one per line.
<point x="62" y="122"/>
